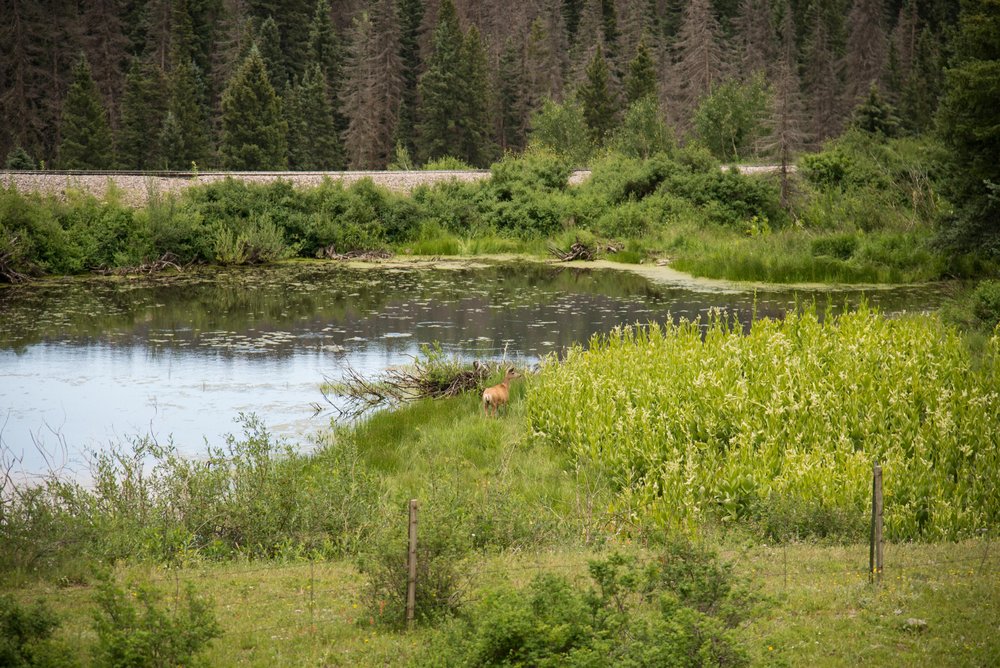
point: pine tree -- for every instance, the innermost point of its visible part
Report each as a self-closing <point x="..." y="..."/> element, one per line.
<point x="876" y="116"/>
<point x="313" y="141"/>
<point x="474" y="107"/>
<point x="143" y="102"/>
<point x="373" y="86"/>
<point x="600" y="108"/>
<point x="544" y="58"/>
<point x="921" y="90"/>
<point x="325" y="49"/>
<point x="86" y="137"/>
<point x="969" y="122"/>
<point x="443" y="89"/>
<point x="640" y="81"/>
<point x="172" y="144"/>
<point x="253" y="128"/>
<point x="512" y="112"/>
<point x="701" y="59"/>
<point x="411" y="16"/>
<point x="186" y="106"/>
<point x="269" y="45"/>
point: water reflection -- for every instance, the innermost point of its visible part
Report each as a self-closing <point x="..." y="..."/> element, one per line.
<point x="98" y="360"/>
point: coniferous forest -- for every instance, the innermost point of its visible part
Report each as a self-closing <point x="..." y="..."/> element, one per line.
<point x="363" y="84"/>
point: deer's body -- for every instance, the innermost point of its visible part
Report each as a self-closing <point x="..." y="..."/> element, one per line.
<point x="497" y="396"/>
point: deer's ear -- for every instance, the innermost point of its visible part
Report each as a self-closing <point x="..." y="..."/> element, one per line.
<point x="511" y="370"/>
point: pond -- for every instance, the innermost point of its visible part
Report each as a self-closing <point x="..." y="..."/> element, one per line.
<point x="86" y="362"/>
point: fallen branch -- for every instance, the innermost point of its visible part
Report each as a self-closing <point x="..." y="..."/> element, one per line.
<point x="8" y="257"/>
<point x="167" y="261"/>
<point x="424" y="379"/>
<point x="578" y="251"/>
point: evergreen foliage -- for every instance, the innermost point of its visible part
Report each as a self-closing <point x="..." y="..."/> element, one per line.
<point x="640" y="80"/>
<point x="253" y="128"/>
<point x="86" y="137"/>
<point x="313" y="140"/>
<point x="600" y="106"/>
<point x="512" y="109"/>
<point x="411" y="16"/>
<point x="186" y="107"/>
<point x="269" y="45"/>
<point x="142" y="110"/>
<point x="18" y="158"/>
<point x="876" y="116"/>
<point x="969" y="122"/>
<point x="326" y="50"/>
<point x="454" y="109"/>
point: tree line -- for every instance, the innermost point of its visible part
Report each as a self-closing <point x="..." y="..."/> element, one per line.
<point x="314" y="84"/>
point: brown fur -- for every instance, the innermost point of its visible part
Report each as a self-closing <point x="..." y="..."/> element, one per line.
<point x="497" y="396"/>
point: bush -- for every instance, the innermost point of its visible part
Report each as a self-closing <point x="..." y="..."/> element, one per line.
<point x="26" y="637"/>
<point x="630" y="615"/>
<point x="129" y="636"/>
<point x="986" y="303"/>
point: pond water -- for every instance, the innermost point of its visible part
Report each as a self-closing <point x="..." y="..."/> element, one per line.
<point x="92" y="361"/>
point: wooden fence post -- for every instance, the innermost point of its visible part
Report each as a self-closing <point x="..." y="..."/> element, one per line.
<point x="411" y="564"/>
<point x="875" y="547"/>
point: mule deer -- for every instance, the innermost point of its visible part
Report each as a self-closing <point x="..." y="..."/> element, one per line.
<point x="497" y="396"/>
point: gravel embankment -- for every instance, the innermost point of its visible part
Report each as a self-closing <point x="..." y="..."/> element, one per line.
<point x="136" y="188"/>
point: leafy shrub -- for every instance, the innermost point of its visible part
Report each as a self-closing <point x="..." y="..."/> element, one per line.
<point x="26" y="637"/>
<point x="562" y="129"/>
<point x="137" y="636"/>
<point x="447" y="163"/>
<point x="257" y="241"/>
<point x="642" y="133"/>
<point x="986" y="303"/>
<point x="629" y="616"/>
<point x="729" y="119"/>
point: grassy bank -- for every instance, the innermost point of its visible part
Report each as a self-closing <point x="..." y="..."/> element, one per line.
<point x="865" y="210"/>
<point x="818" y="608"/>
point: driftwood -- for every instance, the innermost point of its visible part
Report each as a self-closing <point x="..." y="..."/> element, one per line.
<point x="8" y="257"/>
<point x="581" y="251"/>
<point x="421" y="380"/>
<point x="167" y="261"/>
<point x="330" y="253"/>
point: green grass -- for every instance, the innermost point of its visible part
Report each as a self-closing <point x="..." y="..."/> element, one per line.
<point x="819" y="609"/>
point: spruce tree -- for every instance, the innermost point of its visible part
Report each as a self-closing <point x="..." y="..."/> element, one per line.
<point x="269" y="45"/>
<point x="186" y="95"/>
<point x="512" y="112"/>
<point x="821" y="81"/>
<point x="143" y="103"/>
<point x="640" y="81"/>
<point x="326" y="50"/>
<point x="86" y="137"/>
<point x="876" y="115"/>
<point x="314" y="143"/>
<point x="969" y="123"/>
<point x="411" y="16"/>
<point x="440" y="129"/>
<point x="253" y="128"/>
<point x="475" y="148"/>
<point x="600" y="108"/>
<point x="172" y="145"/>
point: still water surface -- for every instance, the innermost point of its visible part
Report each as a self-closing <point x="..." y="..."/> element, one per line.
<point x="88" y="362"/>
